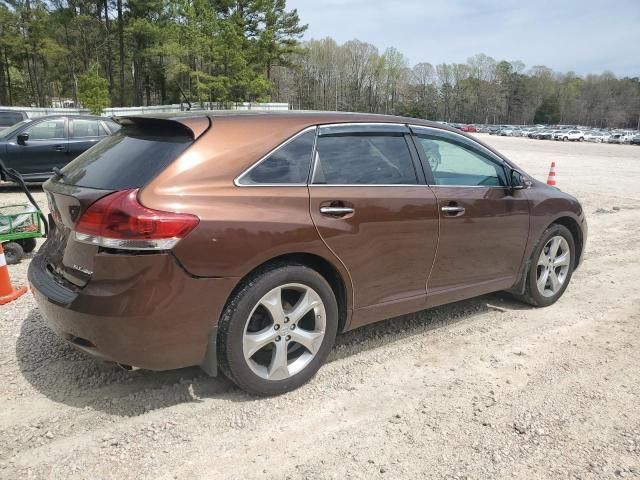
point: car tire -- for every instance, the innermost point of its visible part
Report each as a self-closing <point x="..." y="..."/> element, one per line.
<point x="13" y="252"/>
<point x="27" y="244"/>
<point x="564" y="139"/>
<point x="281" y="364"/>
<point x="533" y="293"/>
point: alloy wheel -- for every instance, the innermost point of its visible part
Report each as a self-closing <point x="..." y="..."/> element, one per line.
<point x="284" y="331"/>
<point x="553" y="266"/>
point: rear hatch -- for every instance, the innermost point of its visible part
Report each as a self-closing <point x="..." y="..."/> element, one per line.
<point x="126" y="160"/>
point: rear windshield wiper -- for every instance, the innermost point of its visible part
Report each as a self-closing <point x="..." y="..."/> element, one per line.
<point x="58" y="173"/>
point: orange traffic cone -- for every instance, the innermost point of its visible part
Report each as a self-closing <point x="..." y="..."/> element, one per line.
<point x="7" y="292"/>
<point x="552" y="175"/>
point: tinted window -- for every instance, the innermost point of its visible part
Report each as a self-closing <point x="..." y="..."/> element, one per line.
<point x="10" y="118"/>
<point x="453" y="163"/>
<point x="49" y="129"/>
<point x="288" y="164"/>
<point x="363" y="160"/>
<point x="87" y="128"/>
<point x="128" y="159"/>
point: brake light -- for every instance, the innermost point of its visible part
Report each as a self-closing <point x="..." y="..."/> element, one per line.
<point x="119" y="221"/>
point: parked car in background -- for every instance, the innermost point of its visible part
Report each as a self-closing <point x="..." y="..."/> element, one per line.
<point x="545" y="135"/>
<point x="572" y="135"/>
<point x="593" y="136"/>
<point x="635" y="140"/>
<point x="618" y="138"/>
<point x="495" y="130"/>
<point x="468" y="128"/>
<point x="297" y="205"/>
<point x="34" y="147"/>
<point x="11" y="117"/>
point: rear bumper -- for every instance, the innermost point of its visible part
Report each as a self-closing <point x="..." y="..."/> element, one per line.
<point x="139" y="310"/>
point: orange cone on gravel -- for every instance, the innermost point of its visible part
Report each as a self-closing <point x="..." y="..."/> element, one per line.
<point x="552" y="175"/>
<point x="7" y="292"/>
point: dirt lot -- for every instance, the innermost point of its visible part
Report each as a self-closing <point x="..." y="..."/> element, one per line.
<point x="463" y="391"/>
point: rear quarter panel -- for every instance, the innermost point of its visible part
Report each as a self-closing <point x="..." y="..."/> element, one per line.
<point x="240" y="227"/>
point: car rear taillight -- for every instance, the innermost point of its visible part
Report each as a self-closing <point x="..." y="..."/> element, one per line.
<point x="119" y="221"/>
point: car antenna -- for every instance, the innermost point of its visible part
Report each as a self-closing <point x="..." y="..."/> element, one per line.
<point x="184" y="96"/>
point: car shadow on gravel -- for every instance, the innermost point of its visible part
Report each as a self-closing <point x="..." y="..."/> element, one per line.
<point x="68" y="376"/>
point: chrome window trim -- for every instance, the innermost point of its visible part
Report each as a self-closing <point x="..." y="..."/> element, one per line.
<point x="237" y="181"/>
<point x="368" y="185"/>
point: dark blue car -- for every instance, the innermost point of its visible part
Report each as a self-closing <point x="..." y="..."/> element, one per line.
<point x="35" y="146"/>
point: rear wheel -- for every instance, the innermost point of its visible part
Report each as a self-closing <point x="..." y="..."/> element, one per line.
<point x="278" y="330"/>
<point x="13" y="252"/>
<point x="551" y="267"/>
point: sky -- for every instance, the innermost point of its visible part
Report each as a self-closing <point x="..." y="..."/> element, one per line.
<point x="583" y="36"/>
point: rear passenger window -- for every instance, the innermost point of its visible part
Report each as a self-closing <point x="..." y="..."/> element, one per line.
<point x="87" y="128"/>
<point x="456" y="164"/>
<point x="364" y="160"/>
<point x="289" y="164"/>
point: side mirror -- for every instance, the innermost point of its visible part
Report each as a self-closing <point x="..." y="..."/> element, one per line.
<point x="22" y="138"/>
<point x="519" y="181"/>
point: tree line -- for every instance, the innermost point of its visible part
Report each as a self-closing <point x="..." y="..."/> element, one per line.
<point x="355" y="76"/>
<point x="146" y="52"/>
<point x="143" y="52"/>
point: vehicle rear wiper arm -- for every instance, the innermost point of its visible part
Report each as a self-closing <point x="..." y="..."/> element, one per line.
<point x="59" y="173"/>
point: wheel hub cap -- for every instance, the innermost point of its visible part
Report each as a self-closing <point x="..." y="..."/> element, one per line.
<point x="553" y="266"/>
<point x="284" y="331"/>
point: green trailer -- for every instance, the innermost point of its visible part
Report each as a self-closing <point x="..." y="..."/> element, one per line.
<point x="20" y="225"/>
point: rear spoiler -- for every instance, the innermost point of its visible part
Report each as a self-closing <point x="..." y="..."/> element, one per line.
<point x="190" y="125"/>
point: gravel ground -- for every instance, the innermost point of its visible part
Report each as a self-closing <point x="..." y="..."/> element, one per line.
<point x="485" y="388"/>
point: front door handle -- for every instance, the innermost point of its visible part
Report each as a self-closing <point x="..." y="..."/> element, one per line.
<point x="59" y="148"/>
<point x="452" y="211"/>
<point x="336" y="211"/>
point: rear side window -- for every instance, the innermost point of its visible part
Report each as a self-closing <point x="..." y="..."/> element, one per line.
<point x="364" y="160"/>
<point x="87" y="128"/>
<point x="128" y="159"/>
<point x="289" y="164"/>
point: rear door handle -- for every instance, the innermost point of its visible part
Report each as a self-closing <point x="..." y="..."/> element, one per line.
<point x="452" y="211"/>
<point x="59" y="148"/>
<point x="336" y="211"/>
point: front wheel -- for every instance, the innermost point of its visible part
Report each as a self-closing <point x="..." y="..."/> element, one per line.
<point x="277" y="330"/>
<point x="552" y="264"/>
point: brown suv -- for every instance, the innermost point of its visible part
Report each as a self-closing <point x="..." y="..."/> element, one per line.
<point x="246" y="242"/>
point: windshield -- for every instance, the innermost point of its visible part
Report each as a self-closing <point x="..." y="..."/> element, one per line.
<point x="7" y="132"/>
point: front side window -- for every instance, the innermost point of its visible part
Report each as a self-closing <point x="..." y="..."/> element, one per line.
<point x="87" y="128"/>
<point x="47" y="130"/>
<point x="456" y="164"/>
<point x="287" y="165"/>
<point x="364" y="160"/>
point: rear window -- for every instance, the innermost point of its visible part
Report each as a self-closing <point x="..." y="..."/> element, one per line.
<point x="128" y="159"/>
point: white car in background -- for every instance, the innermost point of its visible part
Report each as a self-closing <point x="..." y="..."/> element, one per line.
<point x="572" y="136"/>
